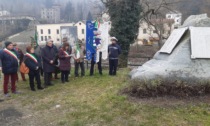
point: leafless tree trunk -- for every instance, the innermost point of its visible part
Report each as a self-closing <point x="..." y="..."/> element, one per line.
<point x="154" y="14"/>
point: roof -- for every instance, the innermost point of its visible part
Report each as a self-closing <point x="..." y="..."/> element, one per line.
<point x="84" y="22"/>
<point x="55" y="24"/>
<point x="24" y="36"/>
<point x="174" y="12"/>
<point x="162" y="21"/>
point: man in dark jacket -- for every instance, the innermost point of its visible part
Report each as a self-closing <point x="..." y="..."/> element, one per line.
<point x="93" y="63"/>
<point x="9" y="62"/>
<point x="114" y="51"/>
<point x="48" y="56"/>
<point x="38" y="52"/>
<point x="56" y="61"/>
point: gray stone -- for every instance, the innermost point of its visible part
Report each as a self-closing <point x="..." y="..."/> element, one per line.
<point x="178" y="65"/>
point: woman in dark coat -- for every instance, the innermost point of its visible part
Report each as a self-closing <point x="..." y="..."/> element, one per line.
<point x="64" y="58"/>
<point x="48" y="57"/>
<point x="33" y="63"/>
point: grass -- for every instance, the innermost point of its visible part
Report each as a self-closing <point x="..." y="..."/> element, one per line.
<point x="97" y="101"/>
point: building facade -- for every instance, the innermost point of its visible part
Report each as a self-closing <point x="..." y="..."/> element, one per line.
<point x="4" y="13"/>
<point x="176" y="16"/>
<point x="53" y="31"/>
<point x="81" y="30"/>
<point x="51" y="15"/>
<point x="148" y="33"/>
<point x="50" y="31"/>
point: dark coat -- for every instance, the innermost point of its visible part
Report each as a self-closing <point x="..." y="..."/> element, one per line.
<point x="20" y="54"/>
<point x="31" y="64"/>
<point x="56" y="54"/>
<point x="48" y="54"/>
<point x="38" y="53"/>
<point x="114" y="51"/>
<point x="64" y="61"/>
<point x="8" y="62"/>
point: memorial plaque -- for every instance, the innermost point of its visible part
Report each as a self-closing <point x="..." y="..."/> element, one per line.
<point x="200" y="42"/>
<point x="173" y="40"/>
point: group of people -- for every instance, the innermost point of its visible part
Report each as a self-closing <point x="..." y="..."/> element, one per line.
<point x="49" y="60"/>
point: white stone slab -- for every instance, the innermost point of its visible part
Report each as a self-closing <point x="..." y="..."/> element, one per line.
<point x="173" y="40"/>
<point x="200" y="42"/>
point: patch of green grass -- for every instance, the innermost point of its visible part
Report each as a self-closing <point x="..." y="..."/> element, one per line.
<point x="96" y="101"/>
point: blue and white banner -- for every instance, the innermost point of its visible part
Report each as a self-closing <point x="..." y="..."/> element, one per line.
<point x="90" y="48"/>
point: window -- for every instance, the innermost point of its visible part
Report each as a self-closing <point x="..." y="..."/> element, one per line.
<point x="58" y="32"/>
<point x="58" y="39"/>
<point x="144" y="31"/>
<point x="41" y="31"/>
<point x="49" y="37"/>
<point x="83" y="31"/>
<point x="42" y="39"/>
<point x="154" y="31"/>
<point x="45" y="38"/>
<point x="177" y="20"/>
<point x="49" y="32"/>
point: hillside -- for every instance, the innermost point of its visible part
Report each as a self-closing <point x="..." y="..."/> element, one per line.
<point x="193" y="7"/>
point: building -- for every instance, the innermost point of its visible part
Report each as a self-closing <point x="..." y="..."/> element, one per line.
<point x="4" y="13"/>
<point x="54" y="32"/>
<point x="148" y="34"/>
<point x="51" y="15"/>
<point x="81" y="30"/>
<point x="50" y="31"/>
<point x="176" y="16"/>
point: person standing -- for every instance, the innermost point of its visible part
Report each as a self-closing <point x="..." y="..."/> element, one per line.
<point x="65" y="65"/>
<point x="48" y="57"/>
<point x="114" y="51"/>
<point x="56" y="62"/>
<point x="33" y="63"/>
<point x="93" y="63"/>
<point x="20" y="56"/>
<point x="38" y="53"/>
<point x="9" y="62"/>
<point x="79" y="55"/>
<point x="65" y="40"/>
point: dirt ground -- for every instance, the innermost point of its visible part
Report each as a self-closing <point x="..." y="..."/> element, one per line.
<point x="169" y="101"/>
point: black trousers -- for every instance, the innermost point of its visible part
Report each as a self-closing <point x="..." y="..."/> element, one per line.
<point x="113" y="63"/>
<point x="41" y="71"/>
<point x="34" y="74"/>
<point x="47" y="78"/>
<point x="64" y="75"/>
<point x="81" y="64"/>
<point x="93" y="63"/>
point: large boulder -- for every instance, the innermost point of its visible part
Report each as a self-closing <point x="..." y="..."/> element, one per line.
<point x="178" y="65"/>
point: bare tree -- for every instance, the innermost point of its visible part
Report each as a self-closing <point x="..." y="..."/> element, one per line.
<point x="154" y="15"/>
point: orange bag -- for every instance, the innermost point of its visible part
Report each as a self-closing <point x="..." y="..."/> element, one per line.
<point x="23" y="68"/>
